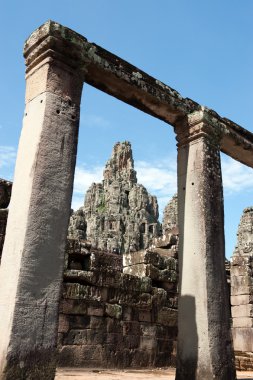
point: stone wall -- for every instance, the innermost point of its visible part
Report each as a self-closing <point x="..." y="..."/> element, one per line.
<point x="113" y="319"/>
<point x="242" y="292"/>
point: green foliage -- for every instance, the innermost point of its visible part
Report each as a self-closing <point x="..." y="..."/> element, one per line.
<point x="102" y="206"/>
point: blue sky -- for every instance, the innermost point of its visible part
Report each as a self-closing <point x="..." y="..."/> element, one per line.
<point x="201" y="48"/>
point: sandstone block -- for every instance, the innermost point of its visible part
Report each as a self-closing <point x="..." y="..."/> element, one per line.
<point x="131" y="341"/>
<point x="243" y="322"/>
<point x="148" y="343"/>
<point x="63" y="323"/>
<point x="128" y="313"/>
<point x="96" y="310"/>
<point x="113" y="325"/>
<point x="242" y="299"/>
<point x="167" y="317"/>
<point x="114" y="311"/>
<point x="114" y="338"/>
<point x="75" y="337"/>
<point x="148" y="329"/>
<point x="134" y="258"/>
<point x="240" y="290"/>
<point x="145" y="316"/>
<point x="242" y="311"/>
<point x="238" y="281"/>
<point x="78" y="322"/>
<point x="241" y="261"/>
<point x="131" y="328"/>
<point x="81" y="355"/>
<point x="105" y="261"/>
<point x="241" y="270"/>
<point x="243" y="339"/>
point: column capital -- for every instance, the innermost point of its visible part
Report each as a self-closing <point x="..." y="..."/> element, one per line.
<point x="55" y="60"/>
<point x="54" y="41"/>
<point x="201" y="123"/>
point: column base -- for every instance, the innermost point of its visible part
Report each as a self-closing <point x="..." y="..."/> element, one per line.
<point x="37" y="365"/>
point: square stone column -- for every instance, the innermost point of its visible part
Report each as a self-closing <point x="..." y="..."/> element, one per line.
<point x="33" y="253"/>
<point x="204" y="339"/>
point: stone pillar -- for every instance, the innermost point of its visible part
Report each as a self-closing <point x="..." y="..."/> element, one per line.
<point x="33" y="254"/>
<point x="204" y="337"/>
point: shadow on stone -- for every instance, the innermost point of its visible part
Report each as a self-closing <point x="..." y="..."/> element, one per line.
<point x="187" y="356"/>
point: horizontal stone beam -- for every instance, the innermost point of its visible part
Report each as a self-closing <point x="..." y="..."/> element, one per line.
<point x="118" y="78"/>
<point x="237" y="142"/>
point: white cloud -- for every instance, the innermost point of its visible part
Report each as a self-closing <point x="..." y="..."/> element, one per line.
<point x="84" y="177"/>
<point x="160" y="179"/>
<point x="236" y="176"/>
<point x="77" y="201"/>
<point x="7" y="155"/>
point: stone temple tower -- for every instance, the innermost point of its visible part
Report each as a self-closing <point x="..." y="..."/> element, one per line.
<point x="118" y="215"/>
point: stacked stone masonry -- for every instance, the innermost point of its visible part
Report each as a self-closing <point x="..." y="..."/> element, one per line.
<point x="113" y="319"/>
<point x="242" y="292"/>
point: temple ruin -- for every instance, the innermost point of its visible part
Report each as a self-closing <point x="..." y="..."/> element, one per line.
<point x="58" y="62"/>
<point x="118" y="214"/>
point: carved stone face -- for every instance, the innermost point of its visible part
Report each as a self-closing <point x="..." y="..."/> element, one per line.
<point x="245" y="233"/>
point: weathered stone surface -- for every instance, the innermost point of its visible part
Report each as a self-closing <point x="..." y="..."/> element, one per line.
<point x="204" y="338"/>
<point x="244" y="247"/>
<point x="170" y="216"/>
<point x="241" y="299"/>
<point x="33" y="254"/>
<point x="243" y="339"/>
<point x="132" y="321"/>
<point x="242" y="311"/>
<point x="167" y="243"/>
<point x="162" y="270"/>
<point x="244" y="361"/>
<point x="242" y="288"/>
<point x="242" y="322"/>
<point x="118" y="214"/>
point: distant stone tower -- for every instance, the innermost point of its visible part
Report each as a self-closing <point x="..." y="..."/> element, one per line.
<point x="242" y="291"/>
<point x="170" y="216"/>
<point x="118" y="215"/>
